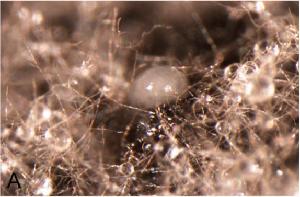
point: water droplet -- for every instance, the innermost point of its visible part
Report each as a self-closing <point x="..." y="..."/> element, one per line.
<point x="219" y="126"/>
<point x="229" y="71"/>
<point x="259" y="88"/>
<point x="245" y="70"/>
<point x="147" y="147"/>
<point x="127" y="168"/>
<point x="156" y="86"/>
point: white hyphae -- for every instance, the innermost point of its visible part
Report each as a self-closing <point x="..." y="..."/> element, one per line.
<point x="156" y="86"/>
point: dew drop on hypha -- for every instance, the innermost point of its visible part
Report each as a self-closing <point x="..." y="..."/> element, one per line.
<point x="157" y="85"/>
<point x="259" y="89"/>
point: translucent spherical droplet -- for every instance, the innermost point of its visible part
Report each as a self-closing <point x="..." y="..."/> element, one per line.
<point x="219" y="126"/>
<point x="127" y="168"/>
<point x="259" y="88"/>
<point x="229" y="71"/>
<point x="157" y="85"/>
<point x="147" y="147"/>
<point x="245" y="70"/>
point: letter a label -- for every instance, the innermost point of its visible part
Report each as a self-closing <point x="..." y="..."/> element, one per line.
<point x="13" y="179"/>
